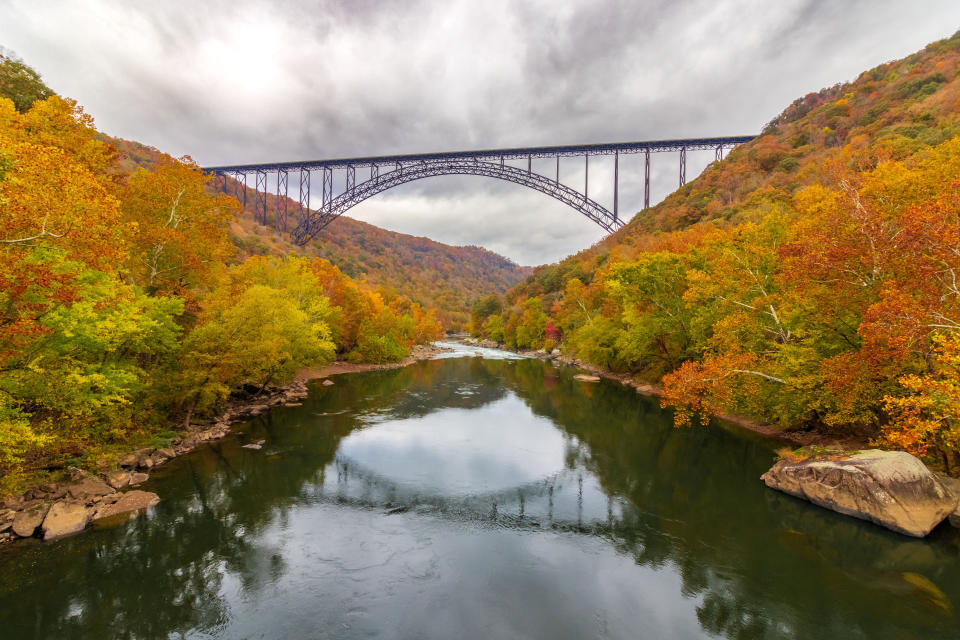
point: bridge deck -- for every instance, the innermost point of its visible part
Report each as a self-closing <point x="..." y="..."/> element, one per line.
<point x="606" y="148"/>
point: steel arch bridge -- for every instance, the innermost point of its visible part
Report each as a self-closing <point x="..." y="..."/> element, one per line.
<point x="386" y="172"/>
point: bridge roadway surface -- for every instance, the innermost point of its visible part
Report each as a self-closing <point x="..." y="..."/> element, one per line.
<point x="405" y="168"/>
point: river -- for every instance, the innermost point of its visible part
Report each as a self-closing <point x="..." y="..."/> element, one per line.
<point x="480" y="497"/>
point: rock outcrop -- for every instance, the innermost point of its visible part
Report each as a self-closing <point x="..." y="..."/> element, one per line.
<point x="953" y="486"/>
<point x="83" y="494"/>
<point x="26" y="522"/>
<point x="65" y="519"/>
<point x="891" y="488"/>
<point x="130" y="501"/>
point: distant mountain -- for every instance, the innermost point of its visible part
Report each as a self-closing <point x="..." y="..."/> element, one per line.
<point x="445" y="277"/>
<point x="807" y="280"/>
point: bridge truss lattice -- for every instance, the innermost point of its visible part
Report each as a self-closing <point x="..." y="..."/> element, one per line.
<point x="386" y="172"/>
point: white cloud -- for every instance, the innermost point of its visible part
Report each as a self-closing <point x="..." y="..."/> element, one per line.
<point x="239" y="81"/>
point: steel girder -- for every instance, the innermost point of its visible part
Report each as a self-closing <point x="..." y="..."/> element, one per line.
<point x="497" y="155"/>
<point x="404" y="173"/>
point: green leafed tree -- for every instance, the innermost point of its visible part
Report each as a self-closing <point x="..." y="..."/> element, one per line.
<point x="22" y="84"/>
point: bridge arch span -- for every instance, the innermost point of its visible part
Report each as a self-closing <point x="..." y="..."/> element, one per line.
<point x="387" y="172"/>
<point x="317" y="220"/>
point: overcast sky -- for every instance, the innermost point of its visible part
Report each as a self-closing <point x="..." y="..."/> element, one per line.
<point x="243" y="82"/>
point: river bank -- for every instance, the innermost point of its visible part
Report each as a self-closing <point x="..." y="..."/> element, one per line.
<point x="57" y="509"/>
<point x="792" y="438"/>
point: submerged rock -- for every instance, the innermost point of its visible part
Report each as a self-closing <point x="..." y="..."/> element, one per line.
<point x="891" y="488"/>
<point x="130" y="501"/>
<point x="582" y="377"/>
<point x="256" y="446"/>
<point x="328" y="382"/>
<point x="65" y="519"/>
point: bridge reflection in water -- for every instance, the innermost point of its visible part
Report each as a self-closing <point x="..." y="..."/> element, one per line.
<point x="555" y="502"/>
<point x="562" y="510"/>
<point x="386" y="172"/>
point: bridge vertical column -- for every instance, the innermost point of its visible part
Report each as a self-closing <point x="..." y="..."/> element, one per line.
<point x="646" y="179"/>
<point x="304" y="212"/>
<point x="351" y="180"/>
<point x="719" y="152"/>
<point x="260" y="192"/>
<point x="327" y="188"/>
<point x="557" y="180"/>
<point x="374" y="171"/>
<point x="529" y="163"/>
<point x="282" y="192"/>
<point x="241" y="189"/>
<point x="616" y="185"/>
<point x="683" y="166"/>
<point x="586" y="175"/>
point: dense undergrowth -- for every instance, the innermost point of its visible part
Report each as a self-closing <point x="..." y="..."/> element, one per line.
<point x="124" y="305"/>
<point x="808" y="280"/>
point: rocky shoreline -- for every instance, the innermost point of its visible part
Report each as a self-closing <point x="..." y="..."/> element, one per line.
<point x="869" y="498"/>
<point x="56" y="510"/>
<point x="798" y="439"/>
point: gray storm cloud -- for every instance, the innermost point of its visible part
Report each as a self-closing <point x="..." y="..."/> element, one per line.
<point x="241" y="82"/>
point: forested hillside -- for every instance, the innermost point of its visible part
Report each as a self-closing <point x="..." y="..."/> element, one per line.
<point x="124" y="305"/>
<point x="437" y="275"/>
<point x="808" y="280"/>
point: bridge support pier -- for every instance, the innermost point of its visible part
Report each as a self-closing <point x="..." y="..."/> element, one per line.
<point x="282" y="179"/>
<point x="260" y="197"/>
<point x="327" y="196"/>
<point x="304" y="211"/>
<point x="351" y="179"/>
<point x="586" y="176"/>
<point x="616" y="187"/>
<point x="683" y="166"/>
<point x="646" y="179"/>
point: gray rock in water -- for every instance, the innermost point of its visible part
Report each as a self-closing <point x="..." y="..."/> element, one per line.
<point x="130" y="501"/>
<point x="586" y="378"/>
<point x="256" y="446"/>
<point x="891" y="488"/>
<point x="65" y="519"/>
<point x="25" y="523"/>
<point x="328" y="382"/>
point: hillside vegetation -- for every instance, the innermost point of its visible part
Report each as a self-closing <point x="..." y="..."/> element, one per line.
<point x="436" y="275"/>
<point x="124" y="305"/>
<point x="808" y="280"/>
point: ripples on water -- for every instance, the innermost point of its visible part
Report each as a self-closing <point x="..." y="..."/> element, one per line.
<point x="480" y="497"/>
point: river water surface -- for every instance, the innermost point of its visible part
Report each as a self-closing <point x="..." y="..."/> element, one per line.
<point x="480" y="497"/>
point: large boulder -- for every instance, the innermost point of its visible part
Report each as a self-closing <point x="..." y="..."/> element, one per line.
<point x="25" y="523"/>
<point x="891" y="488"/>
<point x="953" y="486"/>
<point x="65" y="519"/>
